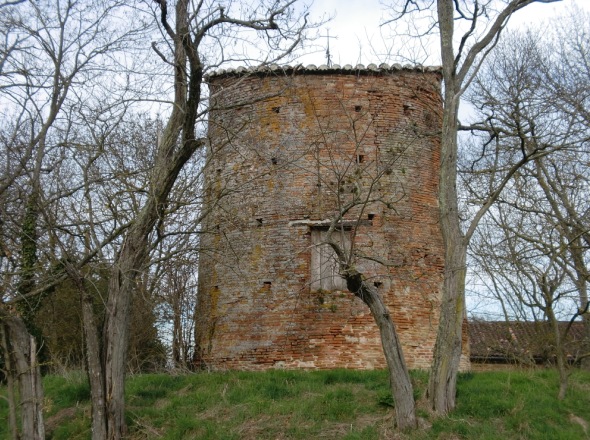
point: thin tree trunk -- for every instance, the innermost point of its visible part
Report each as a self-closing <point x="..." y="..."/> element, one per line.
<point x="559" y="353"/>
<point x="442" y="386"/>
<point x="23" y="348"/>
<point x="116" y="330"/>
<point x="36" y="387"/>
<point x="456" y="69"/>
<point x="581" y="282"/>
<point x="96" y="377"/>
<point x="585" y="362"/>
<point x="95" y="367"/>
<point x="12" y="422"/>
<point x="447" y="350"/>
<point x="170" y="158"/>
<point x="129" y="264"/>
<point x="399" y="378"/>
<point x="177" y="345"/>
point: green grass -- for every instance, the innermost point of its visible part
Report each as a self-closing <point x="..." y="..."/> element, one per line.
<point x="339" y="404"/>
<point x="518" y="405"/>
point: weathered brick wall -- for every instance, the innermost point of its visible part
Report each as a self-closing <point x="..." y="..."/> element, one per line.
<point x="288" y="150"/>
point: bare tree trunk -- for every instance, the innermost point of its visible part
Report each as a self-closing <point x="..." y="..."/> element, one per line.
<point x="9" y="372"/>
<point x="581" y="278"/>
<point x="129" y="264"/>
<point x="399" y="378"/>
<point x="174" y="149"/>
<point x="582" y="285"/>
<point x="442" y="386"/>
<point x="172" y="154"/>
<point x="95" y="369"/>
<point x="559" y="353"/>
<point x="585" y="362"/>
<point x="96" y="377"/>
<point x="178" y="357"/>
<point x="116" y="329"/>
<point x="447" y="350"/>
<point x="457" y="68"/>
<point x="23" y="349"/>
<point x="177" y="340"/>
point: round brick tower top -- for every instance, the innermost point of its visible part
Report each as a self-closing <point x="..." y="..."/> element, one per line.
<point x="292" y="150"/>
<point x="312" y="69"/>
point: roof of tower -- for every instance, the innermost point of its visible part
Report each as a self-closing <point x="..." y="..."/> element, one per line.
<point x="274" y="69"/>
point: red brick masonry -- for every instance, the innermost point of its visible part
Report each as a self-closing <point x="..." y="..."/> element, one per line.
<point x="289" y="148"/>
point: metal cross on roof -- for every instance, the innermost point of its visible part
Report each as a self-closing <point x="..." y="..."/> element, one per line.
<point x="328" y="53"/>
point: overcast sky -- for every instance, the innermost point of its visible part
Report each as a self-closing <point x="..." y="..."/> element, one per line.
<point x="356" y="36"/>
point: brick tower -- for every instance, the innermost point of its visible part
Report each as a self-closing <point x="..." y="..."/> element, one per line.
<point x="292" y="150"/>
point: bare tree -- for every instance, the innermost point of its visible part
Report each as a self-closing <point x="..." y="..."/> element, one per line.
<point x="533" y="245"/>
<point x="20" y="356"/>
<point x="49" y="61"/>
<point x="567" y="75"/>
<point x="528" y="275"/>
<point x="188" y="29"/>
<point x="356" y="192"/>
<point x="468" y="31"/>
<point x="68" y="92"/>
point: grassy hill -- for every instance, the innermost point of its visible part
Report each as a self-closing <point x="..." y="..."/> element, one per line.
<point x="336" y="404"/>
